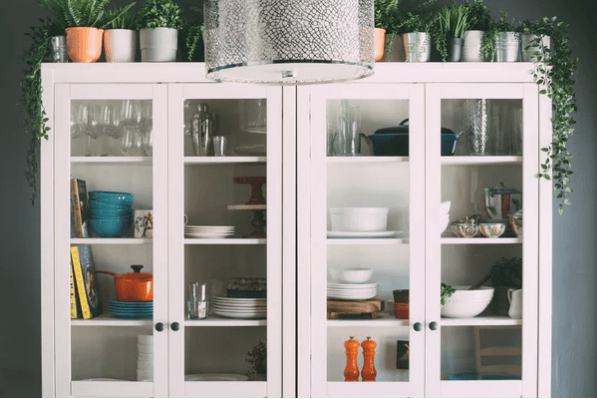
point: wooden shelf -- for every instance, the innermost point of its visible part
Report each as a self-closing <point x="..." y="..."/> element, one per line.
<point x="481" y="321"/>
<point x="112" y="241"/>
<point x="112" y="160"/>
<point x="384" y="320"/>
<point x="225" y="241"/>
<point x="367" y="159"/>
<point x="367" y="241"/>
<point x="481" y="160"/>
<point x="481" y="240"/>
<point x="222" y="160"/>
<point x="217" y="321"/>
<point x="106" y="319"/>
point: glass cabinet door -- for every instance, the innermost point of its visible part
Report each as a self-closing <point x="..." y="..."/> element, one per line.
<point x="367" y="259"/>
<point x="481" y="161"/>
<point x="225" y="240"/>
<point x="111" y="239"/>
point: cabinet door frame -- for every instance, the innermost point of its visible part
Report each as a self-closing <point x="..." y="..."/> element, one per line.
<point x="64" y="94"/>
<point x="319" y="386"/>
<point x="528" y="93"/>
<point x="177" y="94"/>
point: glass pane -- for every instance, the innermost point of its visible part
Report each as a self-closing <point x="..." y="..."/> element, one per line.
<point x="225" y="205"/>
<point x="111" y="199"/>
<point x="368" y="206"/>
<point x="488" y="127"/>
<point x="481" y="201"/>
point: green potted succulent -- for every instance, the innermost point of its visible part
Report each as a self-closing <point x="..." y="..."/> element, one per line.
<point x="501" y="42"/>
<point x="504" y="274"/>
<point x="478" y="22"/>
<point x="84" y="21"/>
<point x="160" y="21"/>
<point x="449" y="32"/>
<point x="120" y="40"/>
<point x="553" y="71"/>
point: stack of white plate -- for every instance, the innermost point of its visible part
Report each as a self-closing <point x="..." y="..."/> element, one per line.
<point x="240" y="308"/>
<point x="144" y="357"/>
<point x="352" y="292"/>
<point x="208" y="231"/>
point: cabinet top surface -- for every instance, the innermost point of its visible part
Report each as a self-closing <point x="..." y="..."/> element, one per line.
<point x="186" y="72"/>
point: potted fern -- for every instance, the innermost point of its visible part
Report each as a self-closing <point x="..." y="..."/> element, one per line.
<point x="416" y="27"/>
<point x="160" y="21"/>
<point x="478" y="22"/>
<point x="386" y="18"/>
<point x="449" y="32"/>
<point x="84" y="21"/>
<point x="120" y="41"/>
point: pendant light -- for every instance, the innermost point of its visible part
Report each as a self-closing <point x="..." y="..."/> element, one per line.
<point x="288" y="42"/>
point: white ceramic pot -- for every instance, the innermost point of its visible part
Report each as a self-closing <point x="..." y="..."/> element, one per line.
<point x="417" y="47"/>
<point x="158" y="45"/>
<point x="515" y="299"/>
<point x="120" y="45"/>
<point x="471" y="52"/>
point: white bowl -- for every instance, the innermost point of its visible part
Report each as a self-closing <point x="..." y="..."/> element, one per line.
<point x="144" y="348"/>
<point x="144" y="374"/>
<point x="465" y="303"/>
<point x="145" y="365"/>
<point x="144" y="356"/>
<point x="145" y="339"/>
<point x="353" y="276"/>
<point x="359" y="219"/>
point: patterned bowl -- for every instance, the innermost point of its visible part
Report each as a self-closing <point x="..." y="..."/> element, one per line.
<point x="516" y="223"/>
<point x="492" y="229"/>
<point x="465" y="229"/>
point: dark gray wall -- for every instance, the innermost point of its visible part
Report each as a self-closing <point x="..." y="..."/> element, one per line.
<point x="575" y="237"/>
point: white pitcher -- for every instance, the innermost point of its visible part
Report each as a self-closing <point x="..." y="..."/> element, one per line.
<point x="515" y="299"/>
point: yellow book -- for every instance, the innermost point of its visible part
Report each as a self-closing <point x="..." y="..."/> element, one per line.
<point x="73" y="298"/>
<point x="74" y="251"/>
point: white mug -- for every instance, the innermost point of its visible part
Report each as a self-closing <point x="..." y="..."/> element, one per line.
<point x="515" y="299"/>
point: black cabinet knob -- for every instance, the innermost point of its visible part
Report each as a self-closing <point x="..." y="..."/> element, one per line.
<point x="159" y="326"/>
<point x="417" y="326"/>
<point x="433" y="325"/>
<point x="175" y="326"/>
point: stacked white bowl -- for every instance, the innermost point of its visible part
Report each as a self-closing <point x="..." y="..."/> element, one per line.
<point x="351" y="284"/>
<point x="144" y="357"/>
<point x="359" y="219"/>
<point x="444" y="216"/>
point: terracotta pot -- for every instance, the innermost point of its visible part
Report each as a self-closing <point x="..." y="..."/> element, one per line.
<point x="379" y="39"/>
<point x="133" y="287"/>
<point x="84" y="44"/>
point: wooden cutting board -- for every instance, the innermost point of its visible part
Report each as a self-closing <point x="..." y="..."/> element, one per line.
<point x="361" y="310"/>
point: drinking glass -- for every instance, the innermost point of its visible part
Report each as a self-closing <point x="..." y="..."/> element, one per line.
<point x="477" y="126"/>
<point x="132" y="142"/>
<point x="75" y="121"/>
<point x="90" y="123"/>
<point x="352" y="129"/>
<point x="198" y="300"/>
<point x="110" y="120"/>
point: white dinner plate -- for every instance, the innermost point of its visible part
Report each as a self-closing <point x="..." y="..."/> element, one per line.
<point x="363" y="234"/>
<point x="239" y="300"/>
<point x="354" y="297"/>
<point x="208" y="235"/>
<point x="236" y="315"/>
<point x="343" y="293"/>
<point x="348" y="285"/>
<point x="215" y="377"/>
<point x="224" y="306"/>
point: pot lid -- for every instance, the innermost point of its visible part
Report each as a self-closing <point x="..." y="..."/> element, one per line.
<point x="136" y="275"/>
<point x="403" y="129"/>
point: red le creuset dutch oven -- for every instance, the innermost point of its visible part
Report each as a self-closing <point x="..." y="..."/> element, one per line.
<point x="133" y="287"/>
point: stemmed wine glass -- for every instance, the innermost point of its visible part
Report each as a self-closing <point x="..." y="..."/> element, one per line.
<point x="110" y="120"/>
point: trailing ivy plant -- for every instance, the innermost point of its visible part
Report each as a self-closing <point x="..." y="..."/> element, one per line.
<point x="489" y="42"/>
<point x="81" y="13"/>
<point x="193" y="31"/>
<point x="122" y="20"/>
<point x="161" y="14"/>
<point x="31" y="95"/>
<point x="451" y="23"/>
<point x="553" y="71"/>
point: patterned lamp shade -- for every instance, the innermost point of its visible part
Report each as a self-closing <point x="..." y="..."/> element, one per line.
<point x="288" y="42"/>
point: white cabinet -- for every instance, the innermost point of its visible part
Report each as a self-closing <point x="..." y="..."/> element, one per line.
<point x="289" y="136"/>
<point x="487" y="355"/>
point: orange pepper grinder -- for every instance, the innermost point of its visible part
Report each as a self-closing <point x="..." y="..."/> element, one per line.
<point x="368" y="373"/>
<point x="351" y="372"/>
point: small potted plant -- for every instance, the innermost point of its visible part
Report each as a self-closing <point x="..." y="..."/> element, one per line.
<point x="502" y="42"/>
<point x="160" y="21"/>
<point x="449" y="35"/>
<point x="192" y="33"/>
<point x="478" y="22"/>
<point x="258" y="362"/>
<point x="84" y="22"/>
<point x="120" y="41"/>
<point x="504" y="274"/>
<point x="386" y="19"/>
<point x="415" y="28"/>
